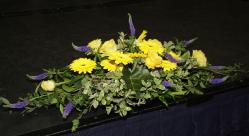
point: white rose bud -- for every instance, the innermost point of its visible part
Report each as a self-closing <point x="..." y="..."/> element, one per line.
<point x="48" y="85"/>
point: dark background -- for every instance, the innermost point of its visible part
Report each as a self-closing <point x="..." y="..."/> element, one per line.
<point x="36" y="34"/>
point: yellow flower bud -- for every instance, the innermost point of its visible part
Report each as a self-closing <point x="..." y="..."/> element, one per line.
<point x="48" y="85"/>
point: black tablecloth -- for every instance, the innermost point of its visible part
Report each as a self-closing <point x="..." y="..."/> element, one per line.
<point x="34" y="38"/>
<point x="225" y="114"/>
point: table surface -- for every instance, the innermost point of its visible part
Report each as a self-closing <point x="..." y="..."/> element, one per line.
<point x="40" y="39"/>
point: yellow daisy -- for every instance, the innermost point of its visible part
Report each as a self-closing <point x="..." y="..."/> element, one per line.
<point x="151" y="45"/>
<point x="168" y="65"/>
<point x="153" y="60"/>
<point x="82" y="65"/>
<point x="200" y="58"/>
<point x="137" y="55"/>
<point x="120" y="57"/>
<point x="110" y="65"/>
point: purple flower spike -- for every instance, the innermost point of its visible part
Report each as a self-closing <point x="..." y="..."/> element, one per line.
<point x="19" y="105"/>
<point x="168" y="56"/>
<point x="166" y="83"/>
<point x="67" y="109"/>
<point x="81" y="48"/>
<point x="186" y="43"/>
<point x="215" y="81"/>
<point x="216" y="67"/>
<point x="132" y="28"/>
<point x="38" y="77"/>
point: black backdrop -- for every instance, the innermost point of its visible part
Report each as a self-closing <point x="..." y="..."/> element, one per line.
<point x="36" y="35"/>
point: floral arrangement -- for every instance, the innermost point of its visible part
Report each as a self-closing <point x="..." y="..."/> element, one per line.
<point x="119" y="75"/>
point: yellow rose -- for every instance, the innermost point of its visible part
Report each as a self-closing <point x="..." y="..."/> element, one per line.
<point x="153" y="60"/>
<point x="200" y="58"/>
<point x="95" y="44"/>
<point x="48" y="85"/>
<point x="108" y="47"/>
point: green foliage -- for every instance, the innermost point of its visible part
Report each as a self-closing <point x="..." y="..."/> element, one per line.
<point x="133" y="77"/>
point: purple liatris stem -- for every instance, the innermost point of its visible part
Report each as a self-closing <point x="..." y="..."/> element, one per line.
<point x="38" y="77"/>
<point x="215" y="81"/>
<point x="132" y="28"/>
<point x="186" y="43"/>
<point x="166" y="83"/>
<point x="172" y="59"/>
<point x="216" y="67"/>
<point x="81" y="48"/>
<point x="19" y="105"/>
<point x="67" y="109"/>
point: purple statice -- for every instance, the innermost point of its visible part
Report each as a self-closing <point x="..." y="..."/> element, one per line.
<point x="186" y="43"/>
<point x="166" y="83"/>
<point x="67" y="109"/>
<point x="38" y="77"/>
<point x="215" y="81"/>
<point x="132" y="28"/>
<point x="81" y="48"/>
<point x="216" y="67"/>
<point x="19" y="105"/>
<point x="169" y="57"/>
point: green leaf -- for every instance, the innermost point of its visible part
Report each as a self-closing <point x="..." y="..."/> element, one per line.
<point x="195" y="91"/>
<point x="157" y="81"/>
<point x="76" y="123"/>
<point x="128" y="108"/>
<point x="53" y="101"/>
<point x="95" y="104"/>
<point x="103" y="102"/>
<point x="177" y="93"/>
<point x="69" y="89"/>
<point x="61" y="108"/>
<point x="163" y="100"/>
<point x="4" y="101"/>
<point x="161" y="87"/>
<point x="109" y="109"/>
<point x="202" y="85"/>
<point x="114" y="75"/>
<point x="133" y="79"/>
<point x="186" y="55"/>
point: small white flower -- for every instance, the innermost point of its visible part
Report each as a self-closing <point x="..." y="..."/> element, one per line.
<point x="48" y="85"/>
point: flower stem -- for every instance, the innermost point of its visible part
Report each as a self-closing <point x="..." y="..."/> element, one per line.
<point x="61" y="83"/>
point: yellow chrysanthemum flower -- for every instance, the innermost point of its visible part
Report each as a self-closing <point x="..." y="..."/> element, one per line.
<point x="137" y="55"/>
<point x="142" y="36"/>
<point x="111" y="66"/>
<point x="168" y="65"/>
<point x="175" y="56"/>
<point x="151" y="45"/>
<point x="95" y="44"/>
<point x="153" y="60"/>
<point x="120" y="57"/>
<point x="200" y="58"/>
<point x="82" y="65"/>
<point x="108" y="47"/>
